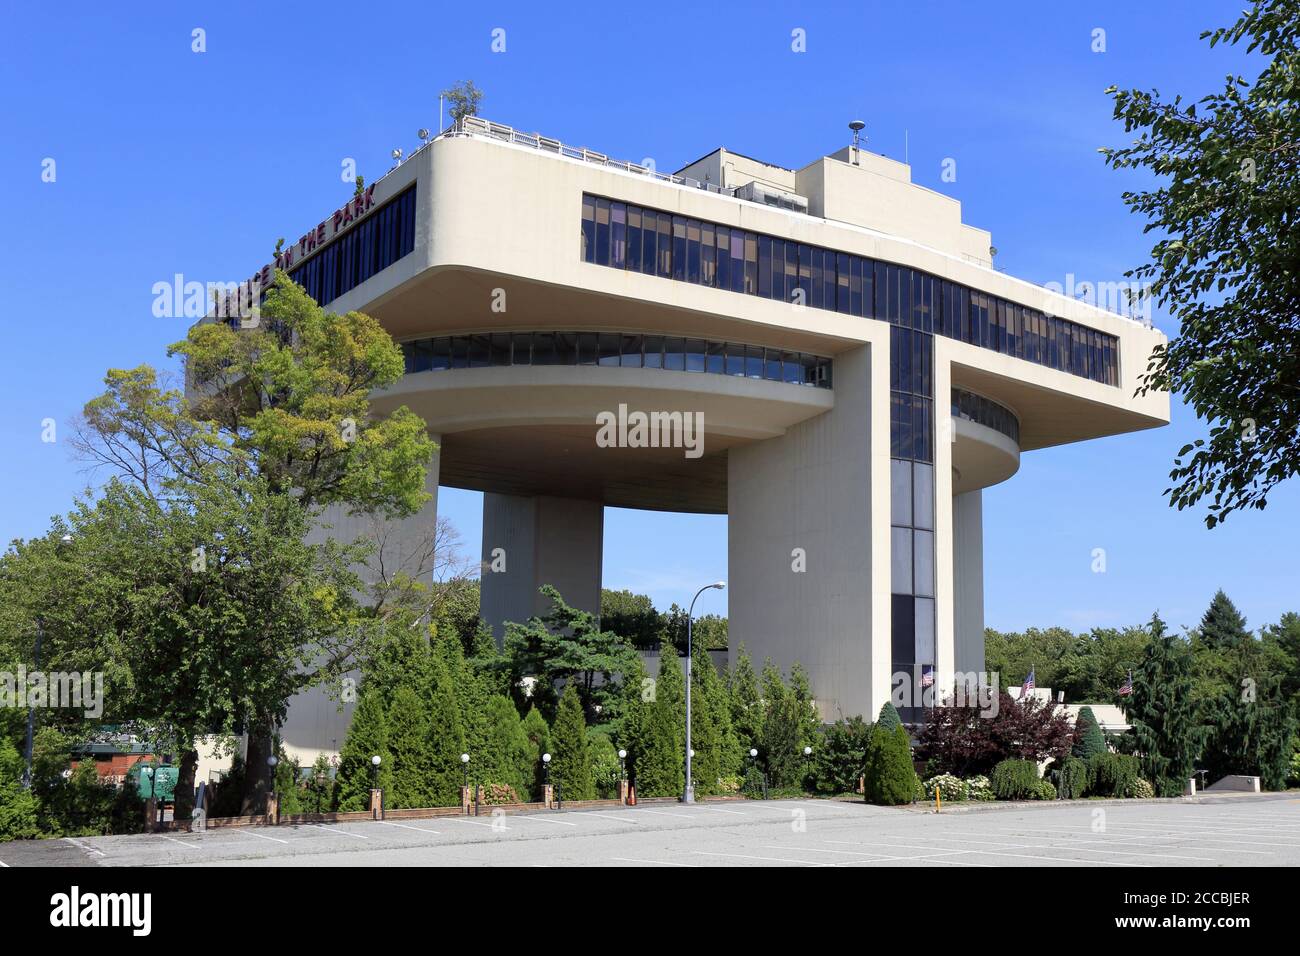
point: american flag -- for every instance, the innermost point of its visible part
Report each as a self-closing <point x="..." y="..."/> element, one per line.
<point x="1127" y="688"/>
<point x="927" y="676"/>
<point x="1028" y="684"/>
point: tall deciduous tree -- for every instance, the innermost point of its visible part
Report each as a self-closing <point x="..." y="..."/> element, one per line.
<point x="1227" y="213"/>
<point x="283" y="401"/>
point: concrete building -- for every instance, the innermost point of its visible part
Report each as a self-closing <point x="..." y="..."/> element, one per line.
<point x="826" y="355"/>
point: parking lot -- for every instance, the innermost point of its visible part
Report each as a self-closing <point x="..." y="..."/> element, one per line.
<point x="1253" y="831"/>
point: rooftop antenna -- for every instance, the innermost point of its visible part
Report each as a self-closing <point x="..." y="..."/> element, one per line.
<point x="857" y="126"/>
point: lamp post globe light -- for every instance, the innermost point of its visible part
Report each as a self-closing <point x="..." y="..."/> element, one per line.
<point x="689" y="795"/>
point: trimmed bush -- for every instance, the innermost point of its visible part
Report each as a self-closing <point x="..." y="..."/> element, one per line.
<point x="978" y="788"/>
<point x="1072" y="778"/>
<point x="1142" y="789"/>
<point x="890" y="779"/>
<point x="1044" y="790"/>
<point x="1014" y="780"/>
<point x="1112" y="775"/>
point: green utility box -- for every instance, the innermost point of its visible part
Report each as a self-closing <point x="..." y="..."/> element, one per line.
<point x="156" y="781"/>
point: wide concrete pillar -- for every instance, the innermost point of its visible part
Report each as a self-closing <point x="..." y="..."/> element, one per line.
<point x="531" y="541"/>
<point x="808" y="543"/>
<point x="968" y="580"/>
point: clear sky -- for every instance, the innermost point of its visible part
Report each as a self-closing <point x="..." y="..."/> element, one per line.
<point x="171" y="161"/>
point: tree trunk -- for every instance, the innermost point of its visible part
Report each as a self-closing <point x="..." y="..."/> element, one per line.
<point x="257" y="775"/>
<point x="185" y="785"/>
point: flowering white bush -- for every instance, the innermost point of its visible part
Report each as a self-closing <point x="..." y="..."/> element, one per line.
<point x="951" y="788"/>
<point x="977" y="788"/>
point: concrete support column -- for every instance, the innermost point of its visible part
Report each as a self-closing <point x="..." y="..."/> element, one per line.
<point x="968" y="580"/>
<point x="808" y="542"/>
<point x="531" y="541"/>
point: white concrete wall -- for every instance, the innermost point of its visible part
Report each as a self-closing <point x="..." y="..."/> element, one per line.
<point x="546" y="540"/>
<point x="822" y="487"/>
<point x="968" y="581"/>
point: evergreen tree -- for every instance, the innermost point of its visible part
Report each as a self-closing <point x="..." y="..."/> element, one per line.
<point x="660" y="767"/>
<point x="633" y="708"/>
<point x="367" y="737"/>
<point x="1165" y="732"/>
<point x="888" y="717"/>
<point x="468" y="688"/>
<point x="507" y="753"/>
<point x="570" y="761"/>
<point x="1222" y="626"/>
<point x="810" y="724"/>
<point x="446" y="738"/>
<point x="717" y="753"/>
<point x="782" y="721"/>
<point x="539" y="742"/>
<point x="1089" y="738"/>
<point x="890" y="777"/>
<point x="746" y="702"/>
<point x="414" y="783"/>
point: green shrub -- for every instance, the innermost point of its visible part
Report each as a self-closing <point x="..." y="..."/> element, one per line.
<point x="1072" y="778"/>
<point x="1142" y="789"/>
<point x="752" y="784"/>
<point x="920" y="794"/>
<point x="1112" y="775"/>
<point x="978" y="788"/>
<point x="1089" y="739"/>
<point x="1043" y="790"/>
<point x="890" y="778"/>
<point x="1014" y="780"/>
<point x="953" y="789"/>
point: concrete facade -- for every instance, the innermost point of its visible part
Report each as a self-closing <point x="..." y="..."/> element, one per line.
<point x="499" y="257"/>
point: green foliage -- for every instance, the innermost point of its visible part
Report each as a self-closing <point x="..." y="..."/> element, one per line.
<point x="463" y="99"/>
<point x="888" y="717"/>
<point x="840" y="756"/>
<point x="1142" y="790"/>
<point x="507" y="754"/>
<point x="18" y="807"/>
<point x="1222" y="207"/>
<point x="1072" y="778"/>
<point x="717" y="753"/>
<point x="367" y="737"/>
<point x="1165" y="728"/>
<point x="605" y="768"/>
<point x="632" y="616"/>
<point x="660" y="768"/>
<point x="446" y="736"/>
<point x="414" y="783"/>
<point x="1043" y="790"/>
<point x="1089" y="738"/>
<point x="538" y="733"/>
<point x="1087" y="667"/>
<point x="571" y="764"/>
<point x="746" y="702"/>
<point x="567" y="647"/>
<point x="783" y="726"/>
<point x="890" y="777"/>
<point x="1113" y="775"/>
<point x="1015" y="780"/>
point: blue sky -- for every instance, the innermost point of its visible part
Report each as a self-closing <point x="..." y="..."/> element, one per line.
<point x="174" y="161"/>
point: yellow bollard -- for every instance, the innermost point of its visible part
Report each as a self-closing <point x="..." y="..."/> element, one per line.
<point x="938" y="801"/>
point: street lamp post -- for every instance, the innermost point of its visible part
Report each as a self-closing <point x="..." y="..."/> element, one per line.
<point x="622" y="764"/>
<point x="689" y="795"/>
<point x="375" y="761"/>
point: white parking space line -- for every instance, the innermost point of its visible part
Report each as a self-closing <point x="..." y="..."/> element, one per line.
<point x="478" y="823"/>
<point x="407" y="826"/>
<point x="632" y="859"/>
<point x="192" y="846"/>
<point x="885" y="858"/>
<point x="967" y="837"/>
<point x="1020" y="856"/>
<point x="355" y="836"/>
<point x="610" y="816"/>
<point x="669" y="813"/>
<point x="525" y="816"/>
<point x="84" y="846"/>
<point x="1110" y="837"/>
<point x="770" y="859"/>
<point x="260" y="836"/>
<point x="738" y="813"/>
